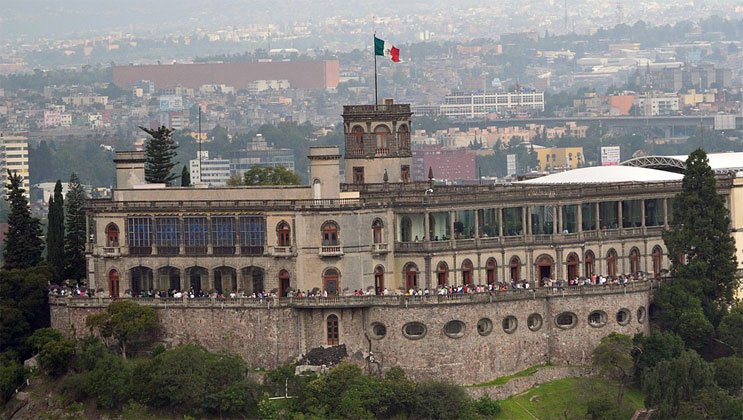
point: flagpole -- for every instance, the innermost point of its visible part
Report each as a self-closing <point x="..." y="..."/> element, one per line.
<point x="374" y="51"/>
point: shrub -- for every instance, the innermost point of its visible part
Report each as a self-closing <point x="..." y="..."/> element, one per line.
<point x="11" y="376"/>
<point x="56" y="357"/>
<point x="487" y="407"/>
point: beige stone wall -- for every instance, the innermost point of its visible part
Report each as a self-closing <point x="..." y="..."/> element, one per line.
<point x="214" y="193"/>
<point x="268" y="336"/>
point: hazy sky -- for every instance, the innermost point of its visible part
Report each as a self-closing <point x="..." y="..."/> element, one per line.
<point x="23" y="18"/>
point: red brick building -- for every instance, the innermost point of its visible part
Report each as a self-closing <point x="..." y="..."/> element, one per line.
<point x="449" y="164"/>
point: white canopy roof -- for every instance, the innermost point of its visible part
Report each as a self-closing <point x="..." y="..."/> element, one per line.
<point x="605" y="175"/>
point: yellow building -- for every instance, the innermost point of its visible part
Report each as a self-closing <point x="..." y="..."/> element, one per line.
<point x="14" y="158"/>
<point x="559" y="158"/>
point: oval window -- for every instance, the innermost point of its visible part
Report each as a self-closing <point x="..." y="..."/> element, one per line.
<point x="566" y="320"/>
<point x="597" y="319"/>
<point x="454" y="329"/>
<point x="378" y="330"/>
<point x="623" y="316"/>
<point x="641" y="314"/>
<point x="534" y="322"/>
<point x="510" y="323"/>
<point x="484" y="326"/>
<point x="414" y="330"/>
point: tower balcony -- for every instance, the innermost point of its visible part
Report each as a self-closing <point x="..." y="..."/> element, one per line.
<point x="377" y="145"/>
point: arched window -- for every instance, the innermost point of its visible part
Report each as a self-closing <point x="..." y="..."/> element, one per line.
<point x="657" y="259"/>
<point x="403" y="136"/>
<point x="253" y="279"/>
<point x="225" y="279"/>
<point x="467" y="272"/>
<point x="284" y="234"/>
<point x="198" y="278"/>
<point x="589" y="262"/>
<point x="316" y="189"/>
<point x="545" y="264"/>
<point x="634" y="260"/>
<point x="329" y="234"/>
<point x="491" y="270"/>
<point x="611" y="263"/>
<point x="112" y="235"/>
<point x="377" y="227"/>
<point x="411" y="276"/>
<point x="382" y="134"/>
<point x="378" y="279"/>
<point x="141" y="280"/>
<point x="357" y="132"/>
<point x="515" y="266"/>
<point x="331" y="281"/>
<point x="442" y="274"/>
<point x="333" y="330"/>
<point x="572" y="263"/>
<point x="284" y="283"/>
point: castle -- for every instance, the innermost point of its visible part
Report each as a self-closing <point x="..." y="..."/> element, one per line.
<point x="382" y="231"/>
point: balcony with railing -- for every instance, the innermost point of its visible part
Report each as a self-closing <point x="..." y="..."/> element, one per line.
<point x="282" y="251"/>
<point x="380" y="248"/>
<point x="372" y="145"/>
<point x="111" y="251"/>
<point x="330" y="251"/>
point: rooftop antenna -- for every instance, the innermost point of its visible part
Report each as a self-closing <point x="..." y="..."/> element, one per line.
<point x="200" y="141"/>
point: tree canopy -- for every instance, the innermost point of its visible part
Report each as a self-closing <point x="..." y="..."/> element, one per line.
<point x="700" y="246"/>
<point x="126" y="322"/>
<point x="266" y="175"/>
<point x="160" y="152"/>
<point x="75" y="235"/>
<point x="55" y="232"/>
<point x="23" y="243"/>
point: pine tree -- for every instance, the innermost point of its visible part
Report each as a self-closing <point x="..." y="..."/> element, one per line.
<point x="74" y="243"/>
<point x="699" y="243"/>
<point x="23" y="243"/>
<point x="55" y="232"/>
<point x="159" y="154"/>
<point x="185" y="177"/>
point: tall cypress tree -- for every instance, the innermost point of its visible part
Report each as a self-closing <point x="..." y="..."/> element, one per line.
<point x="55" y="232"/>
<point x="159" y="156"/>
<point x="699" y="242"/>
<point x="185" y="177"/>
<point x="23" y="244"/>
<point x="74" y="244"/>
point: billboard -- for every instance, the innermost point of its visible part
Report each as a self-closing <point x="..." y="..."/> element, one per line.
<point x="610" y="156"/>
<point x="171" y="103"/>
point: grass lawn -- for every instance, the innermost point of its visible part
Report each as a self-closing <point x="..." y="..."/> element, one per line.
<point x="566" y="399"/>
<point x="504" y="379"/>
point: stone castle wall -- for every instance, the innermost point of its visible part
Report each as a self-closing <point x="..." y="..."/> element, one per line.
<point x="268" y="336"/>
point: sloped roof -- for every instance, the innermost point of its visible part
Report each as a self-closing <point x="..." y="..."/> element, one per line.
<point x="605" y="175"/>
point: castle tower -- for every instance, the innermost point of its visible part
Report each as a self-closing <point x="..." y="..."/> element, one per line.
<point x="377" y="142"/>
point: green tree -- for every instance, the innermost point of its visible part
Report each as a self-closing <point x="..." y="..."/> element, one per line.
<point x="673" y="382"/>
<point x="730" y="330"/>
<point x="613" y="357"/>
<point x="695" y="329"/>
<point x="264" y="175"/>
<point x="126" y="322"/>
<point x="11" y="376"/>
<point x="24" y="307"/>
<point x="159" y="152"/>
<point x="41" y="337"/>
<point x="729" y="374"/>
<point x="57" y="356"/>
<point x="23" y="243"/>
<point x="651" y="349"/>
<point x="185" y="177"/>
<point x="55" y="232"/>
<point x="699" y="242"/>
<point x="75" y="235"/>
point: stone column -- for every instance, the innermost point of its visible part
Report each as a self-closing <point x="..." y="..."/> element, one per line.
<point x="598" y="215"/>
<point x="477" y="226"/>
<point x="665" y="212"/>
<point x="642" y="213"/>
<point x="527" y="223"/>
<point x="451" y="225"/>
<point x="500" y="222"/>
<point x="579" y="218"/>
<point x="426" y="226"/>
<point x="620" y="221"/>
<point x="238" y="248"/>
<point x="557" y="224"/>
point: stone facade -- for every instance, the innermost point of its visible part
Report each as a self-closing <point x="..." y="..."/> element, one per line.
<point x="268" y="334"/>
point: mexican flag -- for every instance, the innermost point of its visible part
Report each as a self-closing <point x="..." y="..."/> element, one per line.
<point x="385" y="49"/>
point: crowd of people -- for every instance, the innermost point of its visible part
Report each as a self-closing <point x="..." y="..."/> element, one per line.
<point x="442" y="290"/>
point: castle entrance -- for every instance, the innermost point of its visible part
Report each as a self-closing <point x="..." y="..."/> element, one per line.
<point x="544" y="269"/>
<point x="113" y="283"/>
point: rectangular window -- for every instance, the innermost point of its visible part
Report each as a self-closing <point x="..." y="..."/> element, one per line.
<point x="405" y="173"/>
<point x="167" y="235"/>
<point x="139" y="231"/>
<point x="223" y="235"/>
<point x="195" y="234"/>
<point x="252" y="234"/>
<point x="358" y="174"/>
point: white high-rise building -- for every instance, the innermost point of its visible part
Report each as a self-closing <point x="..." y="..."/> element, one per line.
<point x="477" y="105"/>
<point x="212" y="172"/>
<point x="13" y="158"/>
